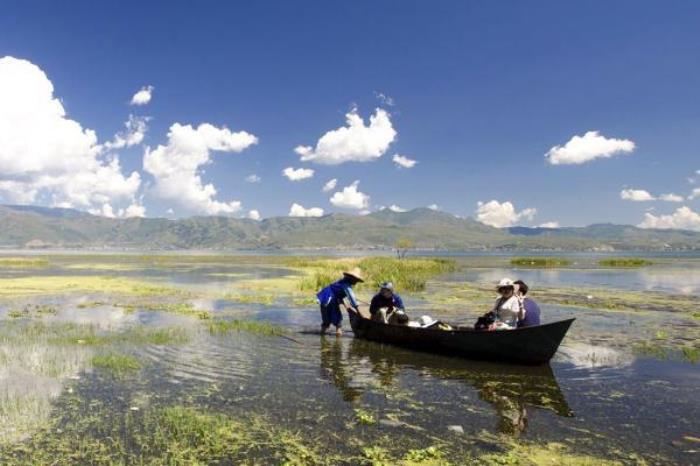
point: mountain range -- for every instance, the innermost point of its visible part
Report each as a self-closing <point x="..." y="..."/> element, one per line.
<point x="43" y="227"/>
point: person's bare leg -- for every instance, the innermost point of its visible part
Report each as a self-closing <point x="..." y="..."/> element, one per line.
<point x="338" y="331"/>
<point x="324" y="329"/>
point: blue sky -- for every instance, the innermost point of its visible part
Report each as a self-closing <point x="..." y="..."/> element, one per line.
<point x="481" y="92"/>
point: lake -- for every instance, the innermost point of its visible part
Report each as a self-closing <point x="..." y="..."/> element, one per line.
<point x="115" y="360"/>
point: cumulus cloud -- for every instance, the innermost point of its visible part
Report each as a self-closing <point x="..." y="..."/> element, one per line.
<point x="695" y="193"/>
<point x="298" y="174"/>
<point x="136" y="127"/>
<point x="549" y="225"/>
<point x="254" y="215"/>
<point x="637" y="195"/>
<point x="143" y="96"/>
<point x="330" y="185"/>
<point x="355" y="142"/>
<point x="176" y="166"/>
<point x="590" y="146"/>
<point x="298" y="210"/>
<point x="501" y="215"/>
<point x="46" y="155"/>
<point x="350" y="198"/>
<point x="135" y="210"/>
<point x="683" y="218"/>
<point x="403" y="162"/>
<point x="395" y="208"/>
<point x="253" y="178"/>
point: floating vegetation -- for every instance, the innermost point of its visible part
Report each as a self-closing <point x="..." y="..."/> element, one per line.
<point x="251" y="298"/>
<point x="222" y="327"/>
<point x="624" y="262"/>
<point x="29" y="311"/>
<point x="118" y="364"/>
<point x="182" y="308"/>
<point x="365" y="417"/>
<point x="547" y="454"/>
<point x="691" y="354"/>
<point x="23" y="262"/>
<point x="544" y="262"/>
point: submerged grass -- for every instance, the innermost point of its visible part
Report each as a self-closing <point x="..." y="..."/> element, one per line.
<point x="59" y="284"/>
<point x="118" y="364"/>
<point x="222" y="327"/>
<point x="543" y="262"/>
<point x="624" y="262"/>
<point x="23" y="262"/>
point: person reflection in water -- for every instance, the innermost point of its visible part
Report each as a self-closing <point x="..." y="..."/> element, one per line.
<point x="337" y="371"/>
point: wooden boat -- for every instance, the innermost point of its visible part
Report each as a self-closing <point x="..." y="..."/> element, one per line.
<point x="527" y="345"/>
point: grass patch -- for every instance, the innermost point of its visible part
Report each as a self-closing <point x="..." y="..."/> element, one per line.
<point x="118" y="364"/>
<point x="554" y="454"/>
<point x="186" y="309"/>
<point x="543" y="262"/>
<point x="364" y="417"/>
<point x="691" y="354"/>
<point x="51" y="285"/>
<point x="408" y="275"/>
<point x="30" y="311"/>
<point x="23" y="262"/>
<point x="251" y="298"/>
<point x="223" y="327"/>
<point x="624" y="262"/>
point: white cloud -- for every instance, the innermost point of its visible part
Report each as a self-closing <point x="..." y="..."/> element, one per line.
<point x="434" y="207"/>
<point x="298" y="174"/>
<point x="549" y="225"/>
<point x="350" y="198"/>
<point x="590" y="146"/>
<point x="638" y="195"/>
<point x="501" y="215"/>
<point x="683" y="218"/>
<point x="45" y="155"/>
<point x="395" y="208"/>
<point x="403" y="162"/>
<point x="253" y="178"/>
<point x="299" y="211"/>
<point x="254" y="215"/>
<point x="384" y="99"/>
<point x="136" y="127"/>
<point x="671" y="197"/>
<point x="135" y="210"/>
<point x="330" y="185"/>
<point x="364" y="212"/>
<point x="143" y="96"/>
<point x="176" y="166"/>
<point x="695" y="193"/>
<point x="354" y="142"/>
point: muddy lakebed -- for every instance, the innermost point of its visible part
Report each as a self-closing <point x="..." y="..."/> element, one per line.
<point x="194" y="359"/>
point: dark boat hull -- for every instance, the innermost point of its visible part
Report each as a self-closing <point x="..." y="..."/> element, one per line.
<point x="528" y="345"/>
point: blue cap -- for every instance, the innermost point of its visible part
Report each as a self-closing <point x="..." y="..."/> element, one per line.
<point x="387" y="286"/>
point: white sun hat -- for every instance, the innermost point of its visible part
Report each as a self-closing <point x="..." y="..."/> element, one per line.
<point x="504" y="283"/>
<point x="426" y="321"/>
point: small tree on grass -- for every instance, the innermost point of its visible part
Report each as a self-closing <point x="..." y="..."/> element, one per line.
<point x="403" y="245"/>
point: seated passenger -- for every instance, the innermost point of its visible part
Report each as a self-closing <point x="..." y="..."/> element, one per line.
<point x="385" y="302"/>
<point x="507" y="307"/>
<point x="530" y="313"/>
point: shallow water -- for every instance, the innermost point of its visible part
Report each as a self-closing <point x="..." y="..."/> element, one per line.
<point x="597" y="395"/>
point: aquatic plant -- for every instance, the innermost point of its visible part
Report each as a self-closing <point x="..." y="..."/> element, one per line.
<point x="60" y="284"/>
<point x="23" y="262"/>
<point x="540" y="262"/>
<point x="251" y="298"/>
<point x="691" y="354"/>
<point x="222" y="327"/>
<point x="182" y="308"/>
<point x="624" y="262"/>
<point x="118" y="364"/>
<point x="32" y="311"/>
<point x="364" y="417"/>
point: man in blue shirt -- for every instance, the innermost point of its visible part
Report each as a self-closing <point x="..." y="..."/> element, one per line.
<point x="387" y="300"/>
<point x="530" y="307"/>
<point x="331" y="297"/>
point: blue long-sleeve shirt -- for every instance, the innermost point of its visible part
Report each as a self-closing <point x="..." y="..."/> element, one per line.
<point x="334" y="294"/>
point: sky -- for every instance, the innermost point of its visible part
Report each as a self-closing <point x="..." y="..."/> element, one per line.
<point x="542" y="113"/>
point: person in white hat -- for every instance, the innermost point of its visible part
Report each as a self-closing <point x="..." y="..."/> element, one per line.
<point x="507" y="307"/>
<point x="331" y="297"/>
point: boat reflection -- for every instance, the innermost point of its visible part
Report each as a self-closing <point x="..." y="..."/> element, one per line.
<point x="510" y="390"/>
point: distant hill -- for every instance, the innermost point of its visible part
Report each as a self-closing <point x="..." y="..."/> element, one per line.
<point x="28" y="226"/>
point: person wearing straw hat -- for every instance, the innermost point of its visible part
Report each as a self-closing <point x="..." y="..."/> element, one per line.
<point x="331" y="297"/>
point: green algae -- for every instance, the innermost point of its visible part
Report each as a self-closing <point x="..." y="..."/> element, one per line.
<point x="624" y="262"/>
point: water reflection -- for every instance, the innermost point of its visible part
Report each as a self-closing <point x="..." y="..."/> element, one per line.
<point x="510" y="390"/>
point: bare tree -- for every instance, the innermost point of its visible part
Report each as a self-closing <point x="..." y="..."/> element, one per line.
<point x="403" y="245"/>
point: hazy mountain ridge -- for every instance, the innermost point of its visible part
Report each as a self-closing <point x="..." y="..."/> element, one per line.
<point x="29" y="226"/>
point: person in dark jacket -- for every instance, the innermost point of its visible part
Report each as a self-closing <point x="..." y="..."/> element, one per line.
<point x="530" y="309"/>
<point x="385" y="302"/>
<point x="331" y="297"/>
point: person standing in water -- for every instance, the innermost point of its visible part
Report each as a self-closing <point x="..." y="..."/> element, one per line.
<point x="331" y="297"/>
